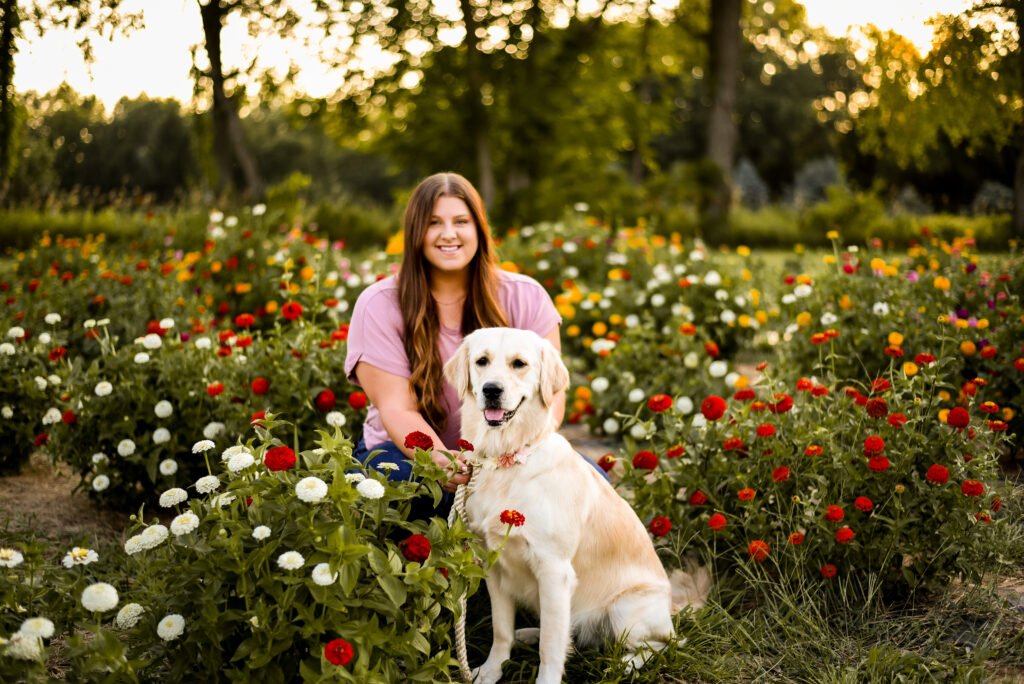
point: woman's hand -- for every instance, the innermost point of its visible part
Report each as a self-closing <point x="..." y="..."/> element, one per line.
<point x="457" y="466"/>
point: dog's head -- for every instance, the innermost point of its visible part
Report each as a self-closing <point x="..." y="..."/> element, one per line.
<point x="507" y="372"/>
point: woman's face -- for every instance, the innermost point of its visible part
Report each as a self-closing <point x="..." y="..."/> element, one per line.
<point x="451" y="240"/>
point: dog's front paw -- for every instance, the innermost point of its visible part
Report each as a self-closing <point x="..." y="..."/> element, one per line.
<point x="487" y="674"/>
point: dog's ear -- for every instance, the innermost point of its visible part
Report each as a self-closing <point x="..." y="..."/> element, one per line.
<point x="554" y="376"/>
<point x="457" y="370"/>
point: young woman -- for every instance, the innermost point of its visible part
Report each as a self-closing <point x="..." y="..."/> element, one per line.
<point x="404" y="328"/>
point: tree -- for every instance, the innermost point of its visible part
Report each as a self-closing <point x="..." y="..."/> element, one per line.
<point x="723" y="69"/>
<point x="85" y="17"/>
<point x="968" y="90"/>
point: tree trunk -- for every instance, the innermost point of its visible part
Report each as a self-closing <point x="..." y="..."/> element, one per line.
<point x="479" y="123"/>
<point x="643" y="104"/>
<point x="1018" y="194"/>
<point x="724" y="58"/>
<point x="9" y="21"/>
<point x="228" y="142"/>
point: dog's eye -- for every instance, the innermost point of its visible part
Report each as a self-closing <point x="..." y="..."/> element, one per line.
<point x="518" y="363"/>
<point x="482" y="361"/>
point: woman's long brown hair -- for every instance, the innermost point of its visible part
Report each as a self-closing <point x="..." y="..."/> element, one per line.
<point x="422" y="325"/>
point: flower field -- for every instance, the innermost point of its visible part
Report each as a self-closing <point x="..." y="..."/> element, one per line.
<point x="836" y="428"/>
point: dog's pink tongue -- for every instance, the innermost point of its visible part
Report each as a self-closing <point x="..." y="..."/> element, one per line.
<point x="494" y="414"/>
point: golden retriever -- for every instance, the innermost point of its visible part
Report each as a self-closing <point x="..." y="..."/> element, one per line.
<point x="582" y="560"/>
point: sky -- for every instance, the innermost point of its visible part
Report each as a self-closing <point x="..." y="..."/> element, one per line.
<point x="156" y="60"/>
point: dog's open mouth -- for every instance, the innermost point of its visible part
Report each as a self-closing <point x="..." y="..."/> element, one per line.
<point x="499" y="416"/>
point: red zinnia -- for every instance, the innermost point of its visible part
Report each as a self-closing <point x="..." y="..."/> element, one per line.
<point x="257" y="417"/>
<point x="415" y="548"/>
<point x="244" y="320"/>
<point x="997" y="425"/>
<point x="464" y="445"/>
<point x="844" y="535"/>
<point x="988" y="351"/>
<point x="880" y="385"/>
<point x="659" y="403"/>
<point x="732" y="444"/>
<point x="877" y="407"/>
<point x="338" y="652"/>
<point x="291" y="310"/>
<point x="418" y="440"/>
<point x="765" y="430"/>
<point x="712" y="349"/>
<point x="58" y="353"/>
<point x="988" y="407"/>
<point x="513" y="518"/>
<point x="878" y="463"/>
<point x="645" y="460"/>
<point x="698" y="498"/>
<point x="279" y="458"/>
<point x="924" y="359"/>
<point x="607" y="462"/>
<point x="717" y="522"/>
<point x="897" y="420"/>
<point x="958" y="418"/>
<point x="812" y="450"/>
<point x="744" y="394"/>
<point x="937" y="474"/>
<point x="874" y="444"/>
<point x="804" y="385"/>
<point x="819" y="391"/>
<point x="69" y="417"/>
<point x="783" y="403"/>
<point x="660" y="526"/>
<point x="972" y="488"/>
<point x="780" y="474"/>
<point x="834" y="513"/>
<point x="863" y="503"/>
<point x="260" y="386"/>
<point x="41" y="439"/>
<point x="675" y="451"/>
<point x="796" y="538"/>
<point x="325" y="400"/>
<point x="746" y="494"/>
<point x="213" y="389"/>
<point x="713" y="407"/>
<point x="758" y="550"/>
<point x="828" y="570"/>
<point x="357" y="400"/>
<point x="1019" y="364"/>
<point x="997" y="504"/>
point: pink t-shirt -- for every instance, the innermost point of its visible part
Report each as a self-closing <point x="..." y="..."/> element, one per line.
<point x="376" y="335"/>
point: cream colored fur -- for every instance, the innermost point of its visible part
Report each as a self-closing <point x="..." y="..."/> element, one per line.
<point x="583" y="560"/>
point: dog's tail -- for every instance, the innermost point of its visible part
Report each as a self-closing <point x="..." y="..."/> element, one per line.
<point x="690" y="586"/>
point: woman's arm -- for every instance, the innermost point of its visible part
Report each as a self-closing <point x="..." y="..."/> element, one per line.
<point x="558" y="401"/>
<point x="394" y="398"/>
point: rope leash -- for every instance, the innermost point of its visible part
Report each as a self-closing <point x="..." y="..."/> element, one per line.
<point x="459" y="508"/>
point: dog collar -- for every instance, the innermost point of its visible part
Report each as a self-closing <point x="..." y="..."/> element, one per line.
<point x="512" y="458"/>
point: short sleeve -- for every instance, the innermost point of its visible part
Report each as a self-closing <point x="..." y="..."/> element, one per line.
<point x="375" y="334"/>
<point x="528" y="305"/>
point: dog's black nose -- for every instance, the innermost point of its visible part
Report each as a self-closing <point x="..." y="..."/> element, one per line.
<point x="492" y="390"/>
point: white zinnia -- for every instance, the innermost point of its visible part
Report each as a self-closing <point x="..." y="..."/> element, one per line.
<point x="99" y="458"/>
<point x="712" y="278"/>
<point x="207" y="484"/>
<point x="610" y="426"/>
<point x="40" y="382"/>
<point x="880" y="309"/>
<point x="166" y="323"/>
<point x="168" y="466"/>
<point x="51" y="416"/>
<point x="103" y="388"/>
<point x="259" y="209"/>
<point x="323" y="576"/>
<point x="291" y="560"/>
<point x="170" y="627"/>
<point x="10" y="558"/>
<point x="161" y="435"/>
<point x="354" y="477"/>
<point x="336" y="419"/>
<point x="184" y="523"/>
<point x="638" y="431"/>
<point x="202" y="343"/>
<point x="684" y="405"/>
<point x="691" y="360"/>
<point x="99" y="598"/>
<point x="173" y="497"/>
<point x="37" y="627"/>
<point x="152" y="341"/>
<point x="142" y="357"/>
<point x="313" y="489"/>
<point x="52" y="318"/>
<point x="370" y="489"/>
<point x="163" y="408"/>
<point x="233" y="451"/>
<point x="213" y="429"/>
<point x="79" y="556"/>
<point x="16" y="332"/>
<point x="45" y="338"/>
<point x="128" y="616"/>
<point x="134" y="544"/>
<point x="636" y="395"/>
<point x="802" y="290"/>
<point x="261" y="532"/>
<point x="100" y="482"/>
<point x="154" y="535"/>
<point x="632" y="320"/>
<point x="7" y="349"/>
<point x="718" y="369"/>
<point x="24" y="647"/>
<point x="7" y="412"/>
<point x="202" y="445"/>
<point x="126" y="447"/>
<point x="240" y="461"/>
<point x="599" y="384"/>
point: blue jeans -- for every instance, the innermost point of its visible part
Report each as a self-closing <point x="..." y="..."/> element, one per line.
<point x="422" y="507"/>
